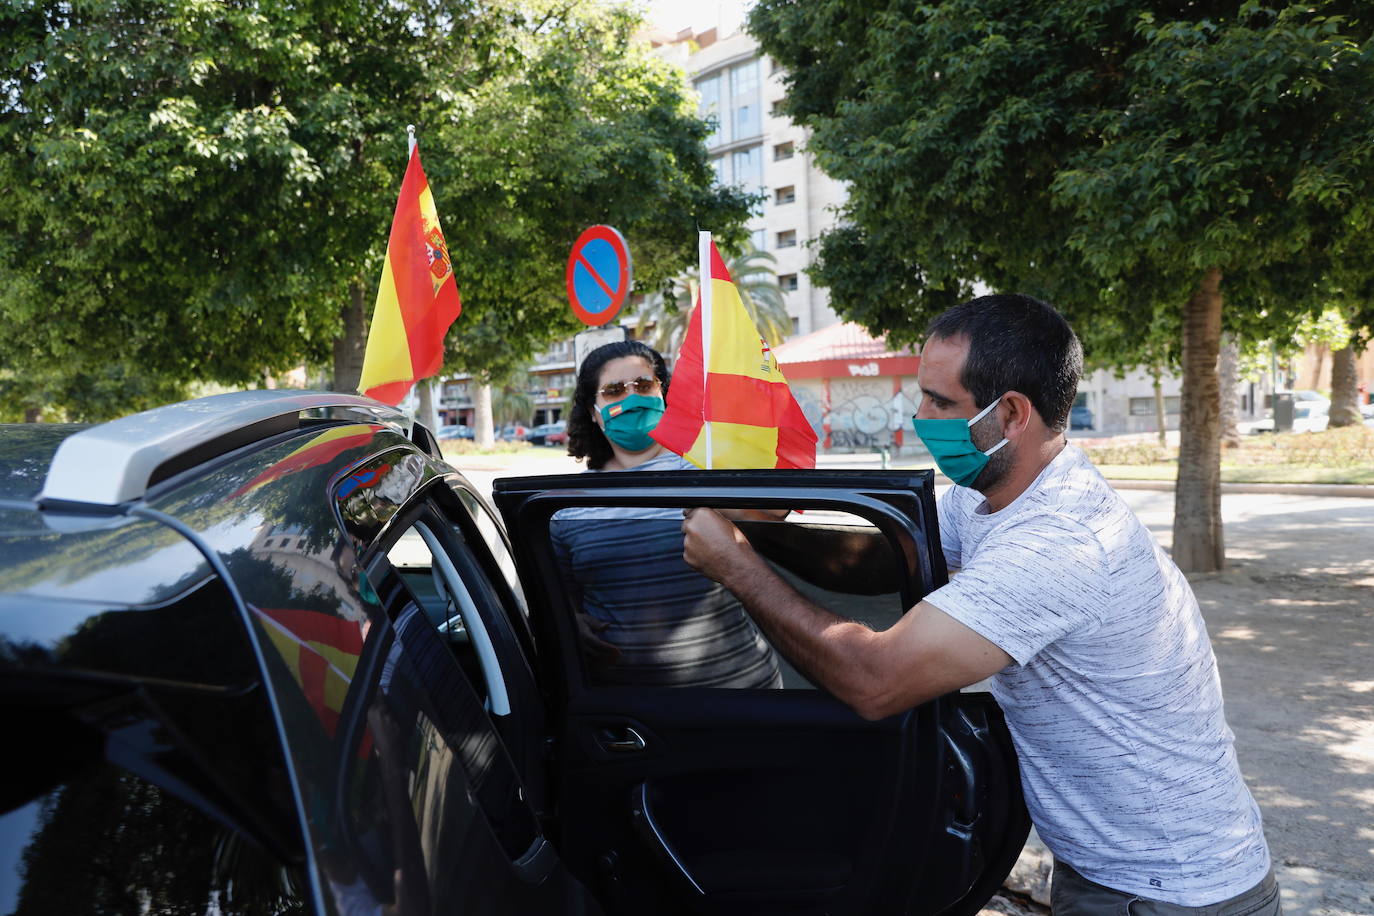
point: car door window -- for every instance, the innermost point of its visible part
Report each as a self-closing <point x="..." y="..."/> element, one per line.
<point x="432" y="577"/>
<point x="645" y="618"/>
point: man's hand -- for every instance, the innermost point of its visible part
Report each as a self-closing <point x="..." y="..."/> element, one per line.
<point x="713" y="546"/>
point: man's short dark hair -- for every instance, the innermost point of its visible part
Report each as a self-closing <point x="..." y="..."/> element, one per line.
<point x="1016" y="343"/>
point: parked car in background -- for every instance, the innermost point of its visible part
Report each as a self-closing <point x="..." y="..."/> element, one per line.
<point x="1080" y="417"/>
<point x="266" y="652"/>
<point x="512" y="433"/>
<point x="455" y="431"/>
<point x="548" y="434"/>
<point x="1311" y="416"/>
<point x="1311" y="413"/>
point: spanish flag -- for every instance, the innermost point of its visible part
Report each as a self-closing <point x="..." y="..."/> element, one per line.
<point x="322" y="652"/>
<point x="729" y="405"/>
<point x="418" y="297"/>
<point x="326" y="446"/>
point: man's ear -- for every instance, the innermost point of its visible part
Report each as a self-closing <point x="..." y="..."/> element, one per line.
<point x="1018" y="415"/>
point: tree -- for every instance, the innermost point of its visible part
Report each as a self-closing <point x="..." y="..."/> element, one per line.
<point x="665" y="315"/>
<point x="511" y="401"/>
<point x="198" y="183"/>
<point x="1132" y="162"/>
<point x="209" y="186"/>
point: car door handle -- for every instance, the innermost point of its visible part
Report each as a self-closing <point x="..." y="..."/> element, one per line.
<point x="621" y="739"/>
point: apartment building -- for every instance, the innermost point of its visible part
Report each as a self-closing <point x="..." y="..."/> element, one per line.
<point x="755" y="147"/>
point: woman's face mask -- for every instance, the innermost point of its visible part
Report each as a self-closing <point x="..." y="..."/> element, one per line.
<point x="950" y="443"/>
<point x="627" y="422"/>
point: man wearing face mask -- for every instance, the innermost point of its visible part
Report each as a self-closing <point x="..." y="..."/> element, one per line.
<point x="1093" y="639"/>
<point x="645" y="617"/>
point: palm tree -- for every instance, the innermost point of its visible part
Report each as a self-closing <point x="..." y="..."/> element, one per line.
<point x="757" y="281"/>
<point x="510" y="399"/>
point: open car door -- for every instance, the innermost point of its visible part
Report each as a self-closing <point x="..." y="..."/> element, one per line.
<point x="674" y="796"/>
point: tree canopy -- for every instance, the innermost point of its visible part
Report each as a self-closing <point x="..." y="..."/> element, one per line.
<point x="1132" y="162"/>
<point x="202" y="191"/>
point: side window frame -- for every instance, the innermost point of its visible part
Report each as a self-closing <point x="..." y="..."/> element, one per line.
<point x="567" y="667"/>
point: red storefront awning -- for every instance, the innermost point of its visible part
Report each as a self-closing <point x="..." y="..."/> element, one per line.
<point x="843" y="351"/>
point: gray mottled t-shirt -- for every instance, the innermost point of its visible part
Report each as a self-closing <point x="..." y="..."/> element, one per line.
<point x="1113" y="700"/>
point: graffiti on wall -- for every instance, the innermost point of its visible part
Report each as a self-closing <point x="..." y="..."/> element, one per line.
<point x="865" y="414"/>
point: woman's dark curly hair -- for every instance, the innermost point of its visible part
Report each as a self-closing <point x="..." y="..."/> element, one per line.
<point x="585" y="438"/>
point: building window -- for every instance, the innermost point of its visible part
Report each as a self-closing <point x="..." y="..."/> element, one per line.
<point x="796" y="325"/>
<point x="785" y="195"/>
<point x="776" y="109"/>
<point x="787" y="239"/>
<point x="1145" y="407"/>
<point x="710" y="107"/>
<point x="745" y="101"/>
<point x="760" y="239"/>
<point x="783" y="151"/>
<point x="788" y="282"/>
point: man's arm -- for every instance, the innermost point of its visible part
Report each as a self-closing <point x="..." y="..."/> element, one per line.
<point x="925" y="654"/>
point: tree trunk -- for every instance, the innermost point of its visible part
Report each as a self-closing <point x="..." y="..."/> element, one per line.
<point x="481" y="415"/>
<point x="1198" y="542"/>
<point x="1228" y="376"/>
<point x="424" y="412"/>
<point x="1161" y="416"/>
<point x="1345" y="394"/>
<point x="1317" y="366"/>
<point x="350" y="346"/>
<point x="33" y="414"/>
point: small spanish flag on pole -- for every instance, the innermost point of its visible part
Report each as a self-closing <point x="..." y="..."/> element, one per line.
<point x="730" y="406"/>
<point x="417" y="299"/>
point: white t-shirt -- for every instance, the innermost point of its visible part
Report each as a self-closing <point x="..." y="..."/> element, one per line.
<point x="1113" y="699"/>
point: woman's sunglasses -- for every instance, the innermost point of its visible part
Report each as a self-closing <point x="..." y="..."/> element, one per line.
<point x="642" y="385"/>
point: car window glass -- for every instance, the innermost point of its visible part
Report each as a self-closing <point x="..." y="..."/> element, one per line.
<point x="151" y="777"/>
<point x="643" y="617"/>
<point x="103" y="840"/>
<point x="446" y="599"/>
<point x="490" y="533"/>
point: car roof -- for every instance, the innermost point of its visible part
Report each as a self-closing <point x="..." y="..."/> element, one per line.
<point x="116" y="462"/>
<point x="26" y="451"/>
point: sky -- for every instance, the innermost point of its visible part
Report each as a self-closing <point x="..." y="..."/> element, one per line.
<point x="674" y="15"/>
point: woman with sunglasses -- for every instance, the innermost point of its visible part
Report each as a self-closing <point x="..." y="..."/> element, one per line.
<point x="646" y="617"/>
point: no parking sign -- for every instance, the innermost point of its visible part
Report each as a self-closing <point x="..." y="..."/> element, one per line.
<point x="600" y="275"/>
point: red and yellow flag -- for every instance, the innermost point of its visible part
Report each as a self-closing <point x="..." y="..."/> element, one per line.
<point x="326" y="446"/>
<point x="418" y="297"/>
<point x="736" y="412"/>
<point x="322" y="652"/>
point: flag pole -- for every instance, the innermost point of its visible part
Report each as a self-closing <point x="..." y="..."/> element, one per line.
<point x="431" y="417"/>
<point x="704" y="252"/>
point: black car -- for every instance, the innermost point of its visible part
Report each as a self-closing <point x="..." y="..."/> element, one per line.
<point x="266" y="653"/>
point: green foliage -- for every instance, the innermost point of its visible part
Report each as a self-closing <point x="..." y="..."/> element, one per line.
<point x="757" y="281"/>
<point x="1102" y="155"/>
<point x="193" y="186"/>
<point x="1328" y="328"/>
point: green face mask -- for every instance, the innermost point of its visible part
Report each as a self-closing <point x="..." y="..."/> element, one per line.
<point x="627" y="422"/>
<point x="950" y="443"/>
